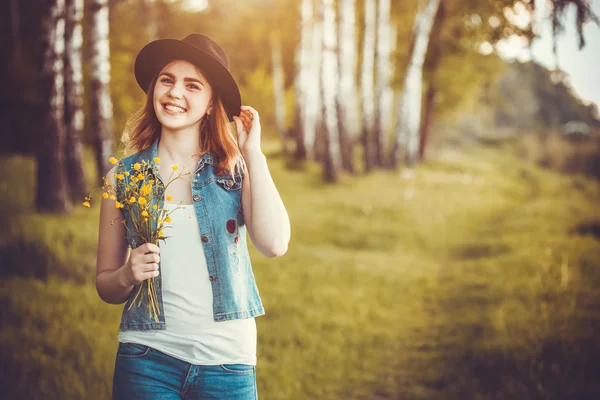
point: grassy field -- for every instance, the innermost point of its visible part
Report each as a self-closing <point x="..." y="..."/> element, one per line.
<point x="475" y="277"/>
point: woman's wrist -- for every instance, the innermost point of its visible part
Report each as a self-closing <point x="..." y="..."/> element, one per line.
<point x="253" y="156"/>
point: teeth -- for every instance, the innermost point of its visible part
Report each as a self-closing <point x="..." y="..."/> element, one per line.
<point x="174" y="108"/>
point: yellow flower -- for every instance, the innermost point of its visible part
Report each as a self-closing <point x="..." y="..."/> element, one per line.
<point x="156" y="160"/>
<point x="146" y="219"/>
<point x="160" y="233"/>
<point x="144" y="213"/>
<point x="142" y="201"/>
<point x="86" y="204"/>
<point x="160" y="221"/>
<point x="168" y="219"/>
<point x="132" y="199"/>
<point x="105" y="195"/>
<point x="137" y="166"/>
<point x="118" y="205"/>
<point x="112" y="160"/>
<point x="126" y="173"/>
<point x="151" y="181"/>
<point x="120" y="177"/>
<point x="112" y="197"/>
<point x="169" y="198"/>
<point x="140" y="177"/>
<point x="175" y="167"/>
<point x="155" y="206"/>
<point x="145" y="190"/>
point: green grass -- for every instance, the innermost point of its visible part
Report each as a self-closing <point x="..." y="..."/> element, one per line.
<point x="474" y="278"/>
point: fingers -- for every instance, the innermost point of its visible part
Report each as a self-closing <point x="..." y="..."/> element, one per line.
<point x="245" y="120"/>
<point x="148" y="248"/>
<point x="250" y="110"/>
<point x="239" y="125"/>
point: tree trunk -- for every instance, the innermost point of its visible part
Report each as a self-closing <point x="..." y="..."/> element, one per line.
<point x="409" y="117"/>
<point x="427" y="119"/>
<point x="313" y="121"/>
<point x="382" y="55"/>
<point x="347" y="108"/>
<point x="73" y="89"/>
<point x="434" y="58"/>
<point x="366" y="83"/>
<point x="51" y="180"/>
<point x="278" y="89"/>
<point x="151" y="14"/>
<point x="101" y="103"/>
<point x="329" y="80"/>
<point x="15" y="28"/>
<point x="303" y="68"/>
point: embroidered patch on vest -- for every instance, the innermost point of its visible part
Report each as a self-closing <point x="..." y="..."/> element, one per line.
<point x="231" y="226"/>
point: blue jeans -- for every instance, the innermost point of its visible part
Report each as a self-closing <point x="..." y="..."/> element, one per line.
<point x="144" y="373"/>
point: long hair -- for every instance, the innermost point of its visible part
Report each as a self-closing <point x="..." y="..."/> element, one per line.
<point x="216" y="134"/>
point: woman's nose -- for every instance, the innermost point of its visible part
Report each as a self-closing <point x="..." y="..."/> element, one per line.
<point x="175" y="92"/>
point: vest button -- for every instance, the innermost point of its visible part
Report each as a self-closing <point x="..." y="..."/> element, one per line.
<point x="212" y="278"/>
<point x="197" y="197"/>
<point x="205" y="238"/>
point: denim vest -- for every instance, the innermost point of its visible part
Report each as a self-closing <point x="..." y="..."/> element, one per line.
<point x="217" y="200"/>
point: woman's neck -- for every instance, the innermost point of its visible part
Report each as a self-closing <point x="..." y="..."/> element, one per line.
<point x="179" y="147"/>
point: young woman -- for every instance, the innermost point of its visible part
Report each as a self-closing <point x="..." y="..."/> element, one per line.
<point x="203" y="345"/>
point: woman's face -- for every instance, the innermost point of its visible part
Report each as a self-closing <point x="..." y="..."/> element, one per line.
<point x="181" y="96"/>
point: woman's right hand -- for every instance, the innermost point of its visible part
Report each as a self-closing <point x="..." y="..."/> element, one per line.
<point x="142" y="265"/>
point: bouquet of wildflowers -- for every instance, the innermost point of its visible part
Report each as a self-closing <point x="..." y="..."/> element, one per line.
<point x="139" y="193"/>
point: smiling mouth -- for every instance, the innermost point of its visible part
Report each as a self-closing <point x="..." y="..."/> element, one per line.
<point x="174" y="108"/>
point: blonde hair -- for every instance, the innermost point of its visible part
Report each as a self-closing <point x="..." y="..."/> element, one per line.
<point x="216" y="135"/>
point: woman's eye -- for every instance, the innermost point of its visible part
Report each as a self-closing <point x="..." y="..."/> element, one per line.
<point x="166" y="80"/>
<point x="192" y="86"/>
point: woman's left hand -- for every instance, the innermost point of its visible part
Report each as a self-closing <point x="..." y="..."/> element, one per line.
<point x="248" y="129"/>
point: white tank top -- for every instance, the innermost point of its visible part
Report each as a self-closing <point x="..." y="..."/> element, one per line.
<point x="191" y="333"/>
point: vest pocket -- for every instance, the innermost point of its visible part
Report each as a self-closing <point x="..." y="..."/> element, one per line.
<point x="229" y="184"/>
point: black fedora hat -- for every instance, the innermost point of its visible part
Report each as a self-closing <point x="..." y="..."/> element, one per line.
<point x="201" y="51"/>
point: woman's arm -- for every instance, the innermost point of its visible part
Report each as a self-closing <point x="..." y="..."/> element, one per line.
<point x="265" y="215"/>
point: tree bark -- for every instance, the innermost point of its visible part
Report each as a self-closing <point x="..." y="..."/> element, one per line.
<point x="73" y="89"/>
<point x="313" y="119"/>
<point x="15" y="28"/>
<point x="51" y="192"/>
<point x="303" y="69"/>
<point x="347" y="107"/>
<point x="329" y="80"/>
<point x="409" y="117"/>
<point x="278" y="90"/>
<point x="101" y="103"/>
<point x="433" y="62"/>
<point x="382" y="54"/>
<point x="367" y="90"/>
<point x="427" y="119"/>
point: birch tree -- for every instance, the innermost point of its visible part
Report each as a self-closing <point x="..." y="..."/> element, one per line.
<point x="51" y="188"/>
<point x="73" y="89"/>
<point x="101" y="104"/>
<point x="314" y="104"/>
<point x="366" y="85"/>
<point x="409" y="116"/>
<point x="347" y="106"/>
<point x="303" y="67"/>
<point x="329" y="79"/>
<point x="278" y="89"/>
<point x="382" y="54"/>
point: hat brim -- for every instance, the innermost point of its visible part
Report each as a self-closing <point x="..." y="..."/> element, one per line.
<point x="158" y="53"/>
